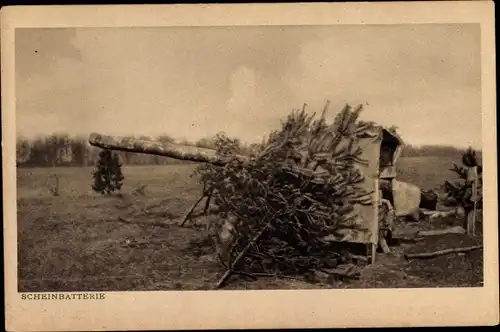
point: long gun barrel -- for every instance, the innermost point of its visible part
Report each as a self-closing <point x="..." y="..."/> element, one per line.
<point x="178" y="151"/>
<point x="185" y="152"/>
<point x="172" y="150"/>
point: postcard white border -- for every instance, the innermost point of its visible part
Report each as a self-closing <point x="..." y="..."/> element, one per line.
<point x="255" y="309"/>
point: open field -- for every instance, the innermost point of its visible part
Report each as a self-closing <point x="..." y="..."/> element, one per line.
<point x="426" y="172"/>
<point x="76" y="242"/>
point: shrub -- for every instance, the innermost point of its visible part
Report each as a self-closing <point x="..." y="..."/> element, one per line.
<point x="108" y="175"/>
<point x="53" y="186"/>
<point x="459" y="193"/>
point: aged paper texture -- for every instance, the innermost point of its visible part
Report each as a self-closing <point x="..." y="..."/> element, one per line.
<point x="164" y="168"/>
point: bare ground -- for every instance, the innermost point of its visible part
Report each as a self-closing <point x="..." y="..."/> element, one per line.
<point x="77" y="242"/>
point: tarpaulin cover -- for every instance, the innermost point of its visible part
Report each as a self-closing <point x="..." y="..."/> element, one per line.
<point x="368" y="215"/>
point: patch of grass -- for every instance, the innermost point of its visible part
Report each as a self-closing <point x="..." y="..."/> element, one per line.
<point x="75" y="242"/>
<point x="452" y="270"/>
<point x="426" y="172"/>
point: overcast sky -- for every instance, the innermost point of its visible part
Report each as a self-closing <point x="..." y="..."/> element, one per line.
<point x="194" y="82"/>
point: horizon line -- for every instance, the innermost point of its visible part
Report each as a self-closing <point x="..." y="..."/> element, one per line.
<point x="180" y="140"/>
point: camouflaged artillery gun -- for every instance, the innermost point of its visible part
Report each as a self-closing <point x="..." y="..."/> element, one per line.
<point x="380" y="148"/>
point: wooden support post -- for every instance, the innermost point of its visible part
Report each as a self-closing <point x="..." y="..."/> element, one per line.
<point x="471" y="216"/>
<point x="207" y="203"/>
<point x="474" y="211"/>
<point x="375" y="223"/>
<point x="374" y="252"/>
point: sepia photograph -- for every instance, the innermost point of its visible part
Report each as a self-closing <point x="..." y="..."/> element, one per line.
<point x="262" y="157"/>
<point x="253" y="157"/>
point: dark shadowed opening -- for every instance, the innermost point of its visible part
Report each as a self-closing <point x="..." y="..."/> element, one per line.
<point x="389" y="145"/>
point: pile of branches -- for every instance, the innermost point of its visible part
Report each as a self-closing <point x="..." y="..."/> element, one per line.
<point x="277" y="211"/>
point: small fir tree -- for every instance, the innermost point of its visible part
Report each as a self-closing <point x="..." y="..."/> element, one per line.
<point x="108" y="175"/>
<point x="460" y="192"/>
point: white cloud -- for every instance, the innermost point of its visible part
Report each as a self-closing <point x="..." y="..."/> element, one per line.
<point x="193" y="83"/>
<point x="242" y="89"/>
<point x="429" y="91"/>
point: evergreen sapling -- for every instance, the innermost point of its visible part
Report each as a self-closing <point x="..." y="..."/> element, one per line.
<point x="108" y="176"/>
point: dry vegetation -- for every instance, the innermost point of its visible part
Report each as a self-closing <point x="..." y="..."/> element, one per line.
<point x="76" y="241"/>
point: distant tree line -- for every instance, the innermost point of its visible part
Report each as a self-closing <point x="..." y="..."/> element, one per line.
<point x="430" y="150"/>
<point x="433" y="151"/>
<point x="60" y="149"/>
<point x="65" y="150"/>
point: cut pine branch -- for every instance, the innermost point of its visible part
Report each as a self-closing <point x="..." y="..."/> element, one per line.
<point x="242" y="254"/>
<point x="451" y="230"/>
<point x="191" y="210"/>
<point x="442" y="252"/>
